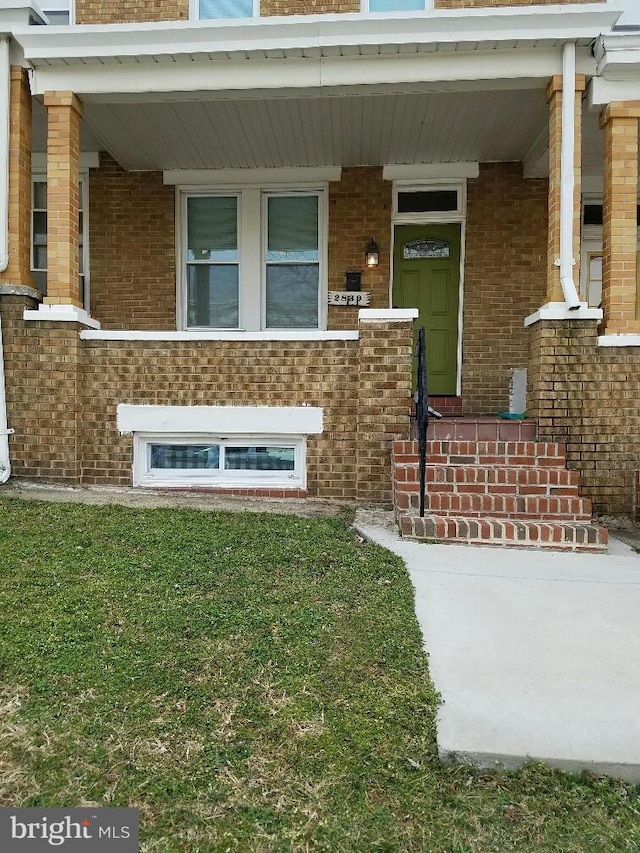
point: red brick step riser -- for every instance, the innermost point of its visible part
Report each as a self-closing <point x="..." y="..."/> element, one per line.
<point x="503" y="533"/>
<point x="498" y="480"/>
<point x="510" y="453"/>
<point x="508" y="506"/>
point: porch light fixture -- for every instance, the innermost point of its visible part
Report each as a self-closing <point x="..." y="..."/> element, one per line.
<point x="372" y="254"/>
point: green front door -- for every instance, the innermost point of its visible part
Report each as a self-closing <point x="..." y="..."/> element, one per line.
<point x="426" y="276"/>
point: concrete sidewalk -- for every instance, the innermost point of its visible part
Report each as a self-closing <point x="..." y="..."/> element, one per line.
<point x="536" y="654"/>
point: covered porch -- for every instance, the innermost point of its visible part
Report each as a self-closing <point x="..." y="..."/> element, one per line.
<point x="212" y="204"/>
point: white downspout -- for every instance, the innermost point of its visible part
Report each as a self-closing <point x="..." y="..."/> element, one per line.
<point x="5" y="90"/>
<point x="566" y="260"/>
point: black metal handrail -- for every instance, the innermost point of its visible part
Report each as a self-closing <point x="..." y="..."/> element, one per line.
<point x="422" y="412"/>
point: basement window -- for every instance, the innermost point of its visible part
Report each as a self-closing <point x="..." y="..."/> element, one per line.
<point x="184" y="460"/>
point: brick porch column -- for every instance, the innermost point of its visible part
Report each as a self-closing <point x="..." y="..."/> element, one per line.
<point x="385" y="352"/>
<point x="619" y="233"/>
<point x="64" y="111"/>
<point x="554" y="99"/>
<point x="18" y="272"/>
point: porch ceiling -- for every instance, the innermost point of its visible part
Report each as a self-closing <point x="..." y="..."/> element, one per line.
<point x="314" y="131"/>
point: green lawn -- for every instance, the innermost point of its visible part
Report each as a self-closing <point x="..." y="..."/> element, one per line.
<point x="250" y="683"/>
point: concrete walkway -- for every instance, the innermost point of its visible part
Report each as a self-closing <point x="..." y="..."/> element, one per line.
<point x="536" y="654"/>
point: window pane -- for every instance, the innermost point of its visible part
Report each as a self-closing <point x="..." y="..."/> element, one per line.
<point x="425" y="248"/>
<point x="396" y="5"/>
<point x="292" y="296"/>
<point x="259" y="458"/>
<point x="212" y="228"/>
<point x="40" y="228"/>
<point x="292" y="230"/>
<point x="427" y="201"/>
<point x="185" y="456"/>
<point x="40" y="195"/>
<point x="212" y="295"/>
<point x="226" y="8"/>
<point x="40" y="257"/>
<point x="592" y="214"/>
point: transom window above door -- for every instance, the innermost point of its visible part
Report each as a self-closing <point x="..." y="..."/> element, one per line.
<point x="253" y="259"/>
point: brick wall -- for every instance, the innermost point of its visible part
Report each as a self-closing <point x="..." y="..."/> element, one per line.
<point x="42" y="369"/>
<point x="62" y="395"/>
<point x="232" y="373"/>
<point x="359" y="208"/>
<point x="307" y="7"/>
<point x="132" y="244"/>
<point x="132" y="248"/>
<point x="130" y="11"/>
<point x="505" y="272"/>
<point x="587" y="396"/>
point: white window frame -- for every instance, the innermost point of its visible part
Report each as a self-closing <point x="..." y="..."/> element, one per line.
<point x="443" y="216"/>
<point x="146" y="477"/>
<point x="251" y="250"/>
<point x="41" y="177"/>
<point x="59" y="6"/>
<point x="194" y="12"/>
<point x="591" y="244"/>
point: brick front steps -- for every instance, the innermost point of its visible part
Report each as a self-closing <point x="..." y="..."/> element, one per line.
<point x="511" y="493"/>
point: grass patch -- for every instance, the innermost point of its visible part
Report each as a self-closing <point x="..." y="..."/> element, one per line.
<point x="250" y="682"/>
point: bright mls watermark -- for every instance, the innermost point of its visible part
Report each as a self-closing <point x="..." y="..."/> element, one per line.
<point x="70" y="830"/>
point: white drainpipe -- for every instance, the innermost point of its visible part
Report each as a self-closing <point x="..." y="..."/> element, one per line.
<point x="5" y="464"/>
<point x="567" y="178"/>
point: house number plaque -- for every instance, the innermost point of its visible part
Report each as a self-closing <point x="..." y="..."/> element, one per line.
<point x="349" y="297"/>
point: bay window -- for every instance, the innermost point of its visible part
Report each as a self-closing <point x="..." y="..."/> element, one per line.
<point x="253" y="259"/>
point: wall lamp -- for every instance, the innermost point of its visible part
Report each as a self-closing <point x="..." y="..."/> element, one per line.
<point x="372" y="254"/>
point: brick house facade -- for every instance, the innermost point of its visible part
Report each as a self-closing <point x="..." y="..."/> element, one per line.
<point x="423" y="131"/>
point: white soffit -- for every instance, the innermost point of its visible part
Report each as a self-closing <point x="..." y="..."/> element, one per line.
<point x="429" y="171"/>
<point x="220" y="420"/>
<point x="235" y="177"/>
<point x="247" y="134"/>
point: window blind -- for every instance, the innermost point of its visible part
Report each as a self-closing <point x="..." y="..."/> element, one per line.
<point x="292" y="228"/>
<point x="212" y="227"/>
<point x="226" y="8"/>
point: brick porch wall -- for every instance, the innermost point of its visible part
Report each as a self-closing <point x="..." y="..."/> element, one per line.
<point x="42" y="370"/>
<point x="62" y="395"/>
<point x="505" y="280"/>
<point x="587" y="396"/>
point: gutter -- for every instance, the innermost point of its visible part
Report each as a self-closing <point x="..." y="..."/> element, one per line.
<point x="5" y="463"/>
<point x="566" y="260"/>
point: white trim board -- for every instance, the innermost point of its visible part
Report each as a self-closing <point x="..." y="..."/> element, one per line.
<point x="621" y="340"/>
<point x="430" y="171"/>
<point x="221" y="420"/>
<point x="560" y="311"/>
<point x="207" y="335"/>
<point x="257" y="177"/>
<point x="88" y="160"/>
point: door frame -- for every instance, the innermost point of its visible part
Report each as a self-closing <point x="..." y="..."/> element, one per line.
<point x="458" y="216"/>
